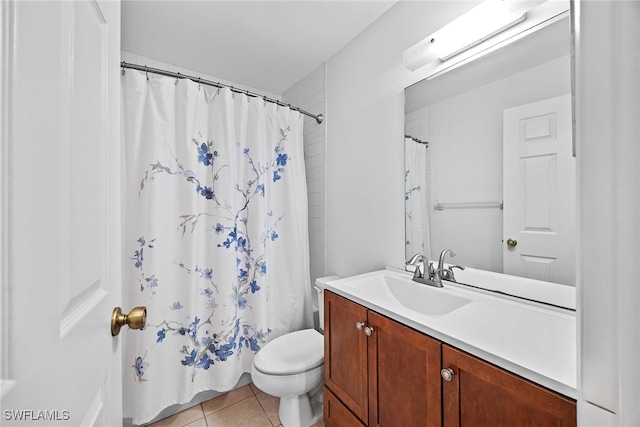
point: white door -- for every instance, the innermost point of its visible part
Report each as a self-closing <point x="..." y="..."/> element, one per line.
<point x="539" y="191"/>
<point x="60" y="213"/>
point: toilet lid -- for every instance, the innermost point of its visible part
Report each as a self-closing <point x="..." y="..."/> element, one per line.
<point x="292" y="353"/>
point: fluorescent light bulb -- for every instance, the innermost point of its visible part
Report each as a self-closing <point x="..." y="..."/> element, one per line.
<point x="482" y="22"/>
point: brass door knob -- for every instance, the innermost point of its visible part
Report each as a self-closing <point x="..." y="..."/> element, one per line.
<point x="136" y="319"/>
<point x="512" y="242"/>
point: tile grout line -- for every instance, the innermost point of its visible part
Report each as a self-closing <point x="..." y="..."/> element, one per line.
<point x="262" y="406"/>
<point x="265" y="411"/>
<point x="254" y="394"/>
<point x="204" y="416"/>
<point x="235" y="403"/>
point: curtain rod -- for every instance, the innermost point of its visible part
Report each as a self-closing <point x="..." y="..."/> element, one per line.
<point x="419" y="141"/>
<point x="319" y="117"/>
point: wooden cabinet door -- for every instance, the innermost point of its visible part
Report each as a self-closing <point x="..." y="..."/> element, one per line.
<point x="481" y="394"/>
<point x="404" y="376"/>
<point x="345" y="349"/>
<point x="336" y="414"/>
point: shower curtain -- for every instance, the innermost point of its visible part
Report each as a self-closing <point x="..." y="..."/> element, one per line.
<point x="416" y="199"/>
<point x="215" y="236"/>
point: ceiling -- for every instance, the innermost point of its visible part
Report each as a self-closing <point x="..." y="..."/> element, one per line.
<point x="267" y="45"/>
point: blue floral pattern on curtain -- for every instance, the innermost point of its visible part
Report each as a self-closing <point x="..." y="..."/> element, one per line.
<point x="217" y="231"/>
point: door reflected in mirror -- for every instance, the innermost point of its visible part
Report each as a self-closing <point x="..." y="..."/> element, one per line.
<point x="489" y="169"/>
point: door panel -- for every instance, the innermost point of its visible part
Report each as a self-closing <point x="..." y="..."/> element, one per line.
<point x="336" y="414"/>
<point x="345" y="363"/>
<point x="398" y="356"/>
<point x="84" y="124"/>
<point x="539" y="191"/>
<point x="63" y="277"/>
<point x="481" y="394"/>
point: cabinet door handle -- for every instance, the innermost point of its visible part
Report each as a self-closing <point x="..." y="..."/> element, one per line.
<point x="447" y="374"/>
<point x="368" y="331"/>
<point x="359" y="325"/>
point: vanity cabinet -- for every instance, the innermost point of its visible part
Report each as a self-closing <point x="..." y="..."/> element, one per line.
<point x="379" y="372"/>
<point x="481" y="394"/>
<point x="371" y="365"/>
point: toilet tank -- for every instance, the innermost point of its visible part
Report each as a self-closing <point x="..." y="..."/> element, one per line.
<point x="320" y="286"/>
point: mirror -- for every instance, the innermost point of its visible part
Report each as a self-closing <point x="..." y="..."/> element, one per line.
<point x="496" y="181"/>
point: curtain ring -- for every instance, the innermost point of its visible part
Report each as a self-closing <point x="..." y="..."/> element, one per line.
<point x="199" y="79"/>
<point x="146" y="72"/>
<point x="233" y="93"/>
<point x="177" y="78"/>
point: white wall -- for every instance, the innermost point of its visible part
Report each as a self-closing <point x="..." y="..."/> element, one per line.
<point x="365" y="128"/>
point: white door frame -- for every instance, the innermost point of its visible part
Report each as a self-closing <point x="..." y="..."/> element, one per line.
<point x="608" y="163"/>
<point x="6" y="51"/>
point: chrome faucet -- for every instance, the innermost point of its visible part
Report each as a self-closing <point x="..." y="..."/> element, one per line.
<point x="446" y="273"/>
<point x="420" y="264"/>
<point x="425" y="272"/>
<point x="441" y="260"/>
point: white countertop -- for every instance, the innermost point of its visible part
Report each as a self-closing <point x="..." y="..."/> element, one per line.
<point x="532" y="340"/>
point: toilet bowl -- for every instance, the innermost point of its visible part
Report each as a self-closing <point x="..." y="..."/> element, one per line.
<point x="291" y="367"/>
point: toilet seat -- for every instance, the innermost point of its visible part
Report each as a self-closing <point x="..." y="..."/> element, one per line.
<point x="292" y="353"/>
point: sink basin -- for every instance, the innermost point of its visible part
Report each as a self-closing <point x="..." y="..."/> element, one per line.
<point x="417" y="297"/>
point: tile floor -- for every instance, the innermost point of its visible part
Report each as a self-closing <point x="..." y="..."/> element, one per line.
<point x="245" y="406"/>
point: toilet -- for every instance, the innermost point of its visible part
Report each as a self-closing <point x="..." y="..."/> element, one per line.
<point x="291" y="367"/>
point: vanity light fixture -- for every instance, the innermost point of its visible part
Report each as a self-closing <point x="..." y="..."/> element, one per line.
<point x="483" y="22"/>
<point x="479" y="24"/>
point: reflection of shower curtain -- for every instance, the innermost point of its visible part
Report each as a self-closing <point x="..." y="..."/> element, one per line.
<point x="417" y="239"/>
<point x="216" y="238"/>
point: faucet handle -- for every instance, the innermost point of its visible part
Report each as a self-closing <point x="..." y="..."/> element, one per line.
<point x="432" y="270"/>
<point x="414" y="263"/>
<point x="447" y="273"/>
<point x="419" y="271"/>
